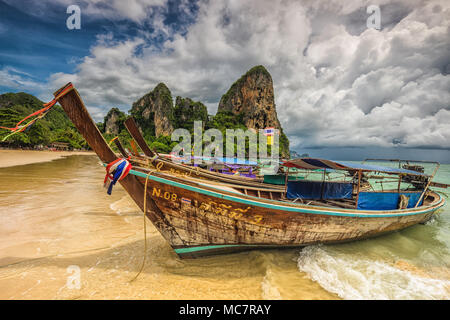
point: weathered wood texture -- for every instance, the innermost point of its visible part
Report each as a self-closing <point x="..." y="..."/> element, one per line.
<point x="133" y="129"/>
<point x="121" y="148"/>
<point x="204" y="220"/>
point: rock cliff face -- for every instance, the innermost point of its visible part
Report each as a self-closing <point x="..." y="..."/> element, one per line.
<point x="252" y="97"/>
<point x="113" y="121"/>
<point x="156" y="107"/>
<point x="187" y="111"/>
<point x="248" y="103"/>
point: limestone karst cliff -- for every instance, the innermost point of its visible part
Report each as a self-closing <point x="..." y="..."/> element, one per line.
<point x="113" y="122"/>
<point x="249" y="103"/>
<point x="252" y="97"/>
<point x="187" y="111"/>
<point x="155" y="110"/>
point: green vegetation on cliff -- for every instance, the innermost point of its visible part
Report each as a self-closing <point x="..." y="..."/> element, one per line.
<point x="186" y="112"/>
<point x="224" y="120"/>
<point x="153" y="112"/>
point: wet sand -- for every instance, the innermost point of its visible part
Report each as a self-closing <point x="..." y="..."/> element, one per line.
<point x="56" y="221"/>
<point x="10" y="158"/>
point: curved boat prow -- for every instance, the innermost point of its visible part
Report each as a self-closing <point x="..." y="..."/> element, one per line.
<point x="133" y="129"/>
<point x="78" y="114"/>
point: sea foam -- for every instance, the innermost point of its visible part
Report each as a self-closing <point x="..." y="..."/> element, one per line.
<point x="352" y="277"/>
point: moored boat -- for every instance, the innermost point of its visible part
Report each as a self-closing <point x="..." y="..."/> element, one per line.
<point x="199" y="218"/>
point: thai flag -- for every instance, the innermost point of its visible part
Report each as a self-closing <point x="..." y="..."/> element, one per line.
<point x="269" y="131"/>
<point x="186" y="200"/>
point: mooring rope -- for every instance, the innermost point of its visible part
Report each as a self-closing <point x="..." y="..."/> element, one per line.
<point x="145" y="227"/>
<point x="445" y="194"/>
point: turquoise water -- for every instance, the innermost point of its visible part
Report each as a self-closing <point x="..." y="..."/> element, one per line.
<point x="410" y="264"/>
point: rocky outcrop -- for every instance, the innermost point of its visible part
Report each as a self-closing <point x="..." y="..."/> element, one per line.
<point x="113" y="122"/>
<point x="252" y="97"/>
<point x="248" y="103"/>
<point x="155" y="107"/>
<point x="187" y="111"/>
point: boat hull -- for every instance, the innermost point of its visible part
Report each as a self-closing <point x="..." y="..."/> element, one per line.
<point x="207" y="221"/>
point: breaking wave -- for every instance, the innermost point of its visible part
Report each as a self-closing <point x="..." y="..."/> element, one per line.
<point x="356" y="278"/>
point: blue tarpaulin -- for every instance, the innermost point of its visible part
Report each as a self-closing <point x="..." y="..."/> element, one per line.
<point x="315" y="190"/>
<point x="385" y="200"/>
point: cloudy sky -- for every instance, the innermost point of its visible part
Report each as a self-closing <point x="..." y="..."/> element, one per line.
<point x="342" y="89"/>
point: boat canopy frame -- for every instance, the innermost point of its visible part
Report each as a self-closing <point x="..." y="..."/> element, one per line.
<point x="359" y="169"/>
<point x="316" y="163"/>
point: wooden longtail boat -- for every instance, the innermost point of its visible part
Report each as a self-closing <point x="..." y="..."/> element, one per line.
<point x="152" y="159"/>
<point x="267" y="185"/>
<point x="166" y="164"/>
<point x="198" y="219"/>
<point x="260" y="189"/>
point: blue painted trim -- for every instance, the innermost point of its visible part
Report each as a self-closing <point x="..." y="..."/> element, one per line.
<point x="202" y="248"/>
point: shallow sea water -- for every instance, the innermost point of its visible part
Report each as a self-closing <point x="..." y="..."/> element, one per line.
<point x="58" y="223"/>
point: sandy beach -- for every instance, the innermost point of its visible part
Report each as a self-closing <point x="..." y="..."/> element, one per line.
<point x="10" y="158"/>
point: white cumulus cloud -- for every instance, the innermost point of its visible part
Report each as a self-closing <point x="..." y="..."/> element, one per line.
<point x="337" y="83"/>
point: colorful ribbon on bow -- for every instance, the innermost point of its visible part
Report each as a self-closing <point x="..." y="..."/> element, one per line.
<point x="116" y="171"/>
<point x="39" y="114"/>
